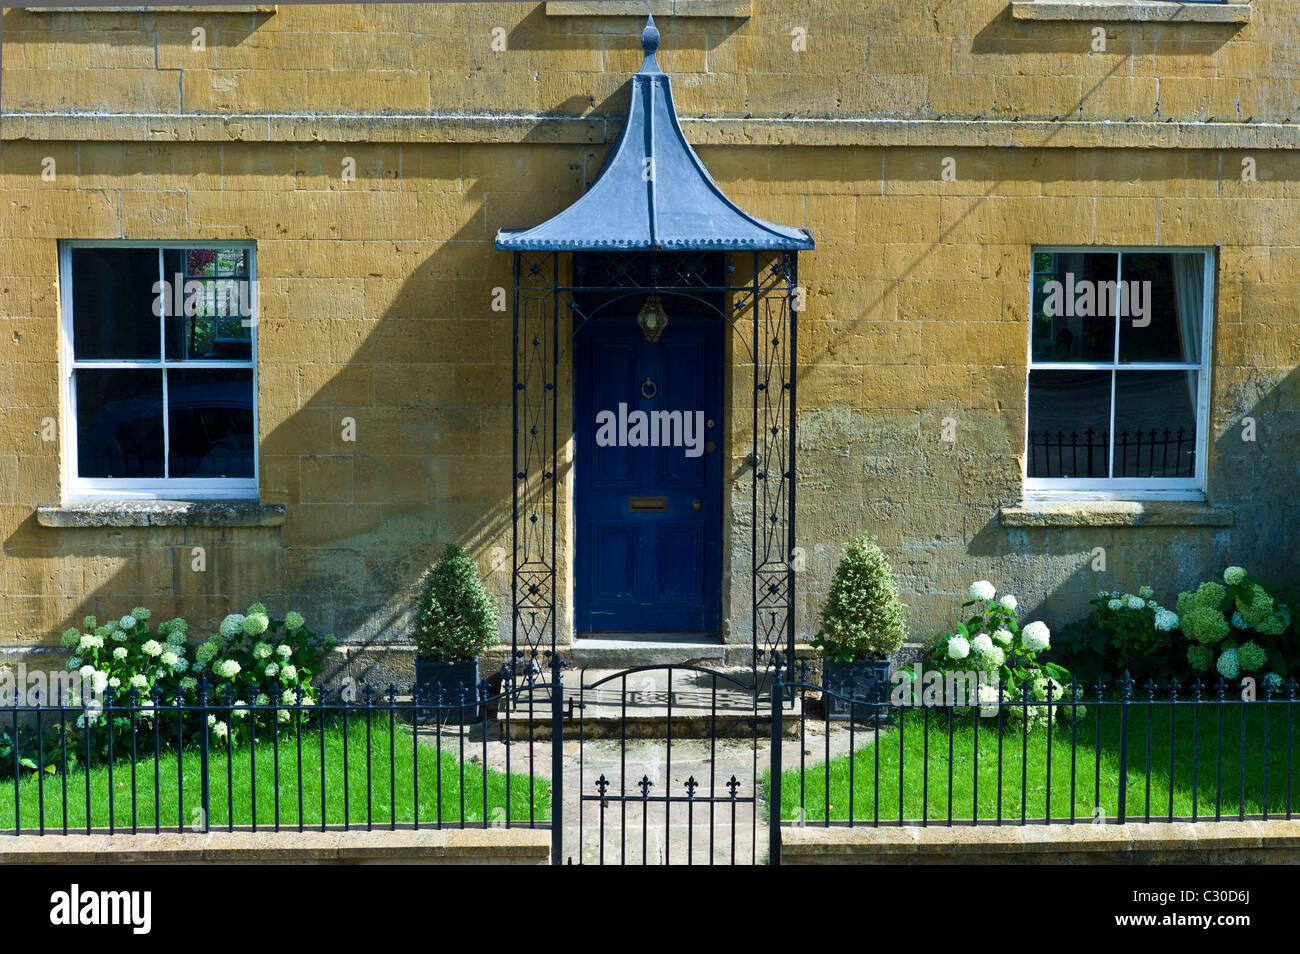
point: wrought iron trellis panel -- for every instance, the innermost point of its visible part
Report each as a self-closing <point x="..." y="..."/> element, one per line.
<point x="754" y="292"/>
<point x="534" y="456"/>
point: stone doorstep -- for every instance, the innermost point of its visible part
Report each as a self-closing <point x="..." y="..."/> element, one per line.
<point x="493" y="845"/>
<point x="841" y="841"/>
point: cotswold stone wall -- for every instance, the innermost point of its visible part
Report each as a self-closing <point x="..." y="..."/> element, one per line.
<point x="376" y="294"/>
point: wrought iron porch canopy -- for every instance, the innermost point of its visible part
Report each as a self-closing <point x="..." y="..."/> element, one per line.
<point x="652" y="191"/>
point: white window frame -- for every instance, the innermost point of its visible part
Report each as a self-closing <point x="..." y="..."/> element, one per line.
<point x="1131" y="488"/>
<point x="77" y="488"/>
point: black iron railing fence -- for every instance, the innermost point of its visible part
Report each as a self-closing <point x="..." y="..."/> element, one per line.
<point x="1117" y="752"/>
<point x="131" y="763"/>
<point x="754" y="750"/>
<point x="1150" y="453"/>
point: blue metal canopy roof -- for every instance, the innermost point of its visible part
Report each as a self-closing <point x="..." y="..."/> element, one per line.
<point x="652" y="191"/>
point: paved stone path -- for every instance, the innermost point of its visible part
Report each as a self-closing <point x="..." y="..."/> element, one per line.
<point x="656" y="833"/>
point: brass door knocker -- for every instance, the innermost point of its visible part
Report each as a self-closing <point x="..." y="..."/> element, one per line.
<point x="649" y="389"/>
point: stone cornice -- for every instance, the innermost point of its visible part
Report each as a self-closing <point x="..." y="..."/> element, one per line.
<point x="519" y="128"/>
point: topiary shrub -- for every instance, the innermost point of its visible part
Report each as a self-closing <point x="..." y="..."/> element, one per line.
<point x="456" y="619"/>
<point x="863" y="617"/>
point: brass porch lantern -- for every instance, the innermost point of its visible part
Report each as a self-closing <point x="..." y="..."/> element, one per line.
<point x="652" y="319"/>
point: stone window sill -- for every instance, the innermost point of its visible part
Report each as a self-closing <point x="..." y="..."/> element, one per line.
<point x="659" y="8"/>
<point x="1130" y="11"/>
<point x="1114" y="513"/>
<point x="161" y="513"/>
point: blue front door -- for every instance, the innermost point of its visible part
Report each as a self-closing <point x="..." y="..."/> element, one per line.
<point x="648" y="431"/>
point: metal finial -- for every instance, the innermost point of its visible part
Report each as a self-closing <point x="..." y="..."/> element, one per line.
<point x="650" y="36"/>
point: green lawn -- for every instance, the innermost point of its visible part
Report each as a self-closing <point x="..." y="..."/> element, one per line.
<point x="931" y="800"/>
<point x="379" y="792"/>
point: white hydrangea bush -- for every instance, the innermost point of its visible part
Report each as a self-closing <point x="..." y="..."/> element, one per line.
<point x="125" y="666"/>
<point x="1007" y="660"/>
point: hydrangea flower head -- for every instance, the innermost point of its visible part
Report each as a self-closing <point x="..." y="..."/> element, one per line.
<point x="1008" y="602"/>
<point x="232" y="625"/>
<point x="991" y="659"/>
<point x="1229" y="665"/>
<point x="1146" y="592"/>
<point x="119" y="652"/>
<point x="262" y="650"/>
<point x="1036" y="636"/>
<point x="1200" y="656"/>
<point x="1260" y="607"/>
<point x="1114" y="604"/>
<point x="1211" y="594"/>
<point x="982" y="643"/>
<point x="1002" y="637"/>
<point x="141" y="613"/>
<point x="982" y="590"/>
<point x="958" y="647"/>
<point x="70" y="637"/>
<point x="257" y="608"/>
<point x="1205" y="624"/>
<point x="255" y="624"/>
<point x="1272" y="625"/>
<point x="1233" y="575"/>
<point x="1252" y="656"/>
<point x="283" y="651"/>
<point x="293" y="620"/>
<point x="226" y="668"/>
<point x="1166" y="620"/>
<point x="89" y="623"/>
<point x="127" y="623"/>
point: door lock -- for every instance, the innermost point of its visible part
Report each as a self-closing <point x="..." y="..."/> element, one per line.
<point x="697" y="504"/>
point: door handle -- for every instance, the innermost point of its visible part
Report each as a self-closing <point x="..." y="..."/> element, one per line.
<point x="697" y="504"/>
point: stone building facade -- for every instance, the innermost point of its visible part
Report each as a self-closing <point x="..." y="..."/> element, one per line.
<point x="951" y="157"/>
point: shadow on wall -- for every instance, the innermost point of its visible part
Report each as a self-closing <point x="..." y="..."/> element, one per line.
<point x="426" y="384"/>
<point x="1256" y="479"/>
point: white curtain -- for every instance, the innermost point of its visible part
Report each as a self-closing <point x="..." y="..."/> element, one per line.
<point x="1189" y="290"/>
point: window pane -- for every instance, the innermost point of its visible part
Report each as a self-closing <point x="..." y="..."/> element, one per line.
<point x="210" y="414"/>
<point x="1165" y="296"/>
<point x="119" y="423"/>
<point x="1074" y="306"/>
<point x="209" y="300"/>
<point x="1069" y="423"/>
<point x="113" y="303"/>
<point x="1155" y="424"/>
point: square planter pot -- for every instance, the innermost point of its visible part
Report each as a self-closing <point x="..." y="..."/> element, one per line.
<point x="864" y="681"/>
<point x="446" y="685"/>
